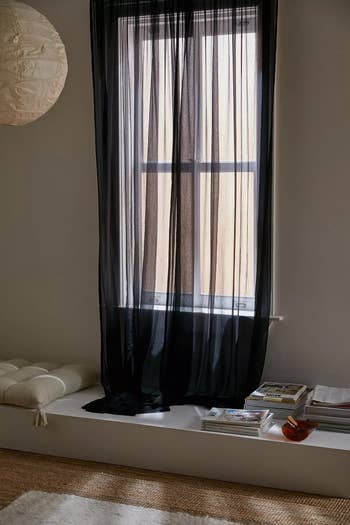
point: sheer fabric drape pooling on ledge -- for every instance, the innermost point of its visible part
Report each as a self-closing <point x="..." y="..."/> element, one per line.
<point x="183" y="111"/>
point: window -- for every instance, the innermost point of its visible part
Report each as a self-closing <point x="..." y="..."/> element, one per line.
<point x="218" y="155"/>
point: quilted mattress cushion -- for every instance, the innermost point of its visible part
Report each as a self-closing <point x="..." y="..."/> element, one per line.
<point x="34" y="385"/>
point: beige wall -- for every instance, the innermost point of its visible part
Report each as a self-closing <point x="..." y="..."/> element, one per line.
<point x="312" y="194"/>
<point x="48" y="215"/>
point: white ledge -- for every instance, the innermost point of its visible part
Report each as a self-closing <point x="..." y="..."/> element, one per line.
<point x="173" y="442"/>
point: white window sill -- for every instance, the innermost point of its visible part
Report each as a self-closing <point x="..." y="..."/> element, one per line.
<point x="216" y="311"/>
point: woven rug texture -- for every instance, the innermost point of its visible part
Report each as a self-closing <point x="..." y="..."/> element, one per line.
<point x="21" y="473"/>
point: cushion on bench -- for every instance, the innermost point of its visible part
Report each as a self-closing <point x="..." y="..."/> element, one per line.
<point x="35" y="385"/>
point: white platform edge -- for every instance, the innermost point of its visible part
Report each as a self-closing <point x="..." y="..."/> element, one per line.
<point x="278" y="464"/>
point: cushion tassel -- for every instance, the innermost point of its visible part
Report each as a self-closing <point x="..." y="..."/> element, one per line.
<point x="40" y="417"/>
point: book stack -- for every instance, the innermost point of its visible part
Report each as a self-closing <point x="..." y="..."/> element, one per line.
<point x="282" y="399"/>
<point x="330" y="407"/>
<point x="236" y="421"/>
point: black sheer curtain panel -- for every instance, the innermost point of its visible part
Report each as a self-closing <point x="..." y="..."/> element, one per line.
<point x="183" y="109"/>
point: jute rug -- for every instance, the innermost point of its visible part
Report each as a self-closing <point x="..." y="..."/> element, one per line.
<point x="21" y="473"/>
<point x="40" y="508"/>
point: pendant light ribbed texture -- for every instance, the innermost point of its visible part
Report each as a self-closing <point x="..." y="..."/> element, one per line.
<point x="33" y="64"/>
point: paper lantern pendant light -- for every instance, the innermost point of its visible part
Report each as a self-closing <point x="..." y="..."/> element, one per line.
<point x="33" y="64"/>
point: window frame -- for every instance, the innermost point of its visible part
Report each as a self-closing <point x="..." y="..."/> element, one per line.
<point x="197" y="300"/>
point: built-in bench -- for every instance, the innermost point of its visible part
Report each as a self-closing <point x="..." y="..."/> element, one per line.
<point x="173" y="442"/>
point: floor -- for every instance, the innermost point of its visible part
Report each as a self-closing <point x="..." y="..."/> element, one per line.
<point x="21" y="472"/>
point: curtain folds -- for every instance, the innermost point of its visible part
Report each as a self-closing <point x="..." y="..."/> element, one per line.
<point x="183" y="97"/>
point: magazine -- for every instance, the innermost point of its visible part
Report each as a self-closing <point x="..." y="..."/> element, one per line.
<point x="331" y="420"/>
<point x="328" y="410"/>
<point x="243" y="429"/>
<point x="278" y="392"/>
<point x="280" y="404"/>
<point x="344" y="429"/>
<point x="331" y="396"/>
<point x="235" y="416"/>
<point x="283" y="412"/>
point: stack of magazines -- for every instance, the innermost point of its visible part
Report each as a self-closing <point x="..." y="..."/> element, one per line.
<point x="282" y="399"/>
<point x="330" y="407"/>
<point x="236" y="421"/>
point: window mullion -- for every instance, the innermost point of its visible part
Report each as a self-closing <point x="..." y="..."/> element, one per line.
<point x="197" y="166"/>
